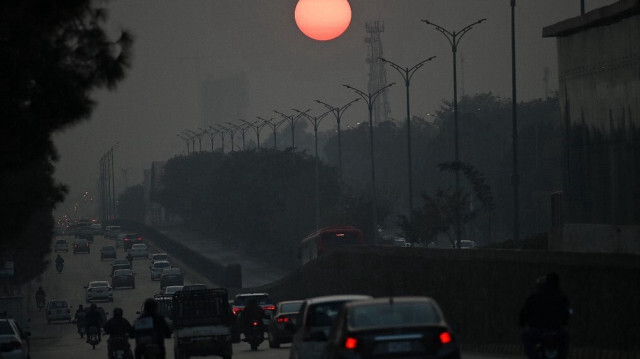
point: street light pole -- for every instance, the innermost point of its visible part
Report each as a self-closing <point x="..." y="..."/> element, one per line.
<point x="186" y="140"/>
<point x="199" y="137"/>
<point x="274" y="126"/>
<point x="315" y="121"/>
<point x="407" y="74"/>
<point x="337" y="113"/>
<point x="232" y="132"/>
<point x="370" y="98"/>
<point x="515" y="180"/>
<point x="454" y="39"/>
<point x="292" y="123"/>
<point x="256" y="128"/>
<point x="221" y="132"/>
<point x="192" y="138"/>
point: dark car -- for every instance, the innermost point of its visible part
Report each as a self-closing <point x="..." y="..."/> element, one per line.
<point x="283" y="322"/>
<point x="85" y="233"/>
<point x="263" y="299"/>
<point x="171" y="276"/>
<point x="116" y="267"/>
<point x="107" y="252"/>
<point x="81" y="246"/>
<point x="396" y="327"/>
<point x="123" y="278"/>
<point x="129" y="239"/>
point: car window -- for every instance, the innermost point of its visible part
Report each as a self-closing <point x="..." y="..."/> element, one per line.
<point x="397" y="314"/>
<point x="244" y="299"/>
<point x="122" y="272"/>
<point x="61" y="241"/>
<point x="99" y="284"/>
<point x="323" y="314"/>
<point x="57" y="304"/>
<point x="161" y="264"/>
<point x="290" y="307"/>
<point x="5" y="328"/>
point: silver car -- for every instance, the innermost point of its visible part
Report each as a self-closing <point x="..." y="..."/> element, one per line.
<point x="316" y="317"/>
<point x="61" y="245"/>
<point x="157" y="267"/>
<point x="13" y="341"/>
<point x="99" y="290"/>
<point x="58" y="310"/>
<point x="139" y="250"/>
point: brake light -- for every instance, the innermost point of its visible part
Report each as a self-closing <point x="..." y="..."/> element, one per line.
<point x="445" y="338"/>
<point x="126" y="239"/>
<point x="236" y="310"/>
<point x="255" y="324"/>
<point x="282" y="320"/>
<point x="139" y="239"/>
<point x="350" y="343"/>
<point x="270" y="307"/>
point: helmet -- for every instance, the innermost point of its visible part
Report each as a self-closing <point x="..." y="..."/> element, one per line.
<point x="150" y="306"/>
<point x="117" y="312"/>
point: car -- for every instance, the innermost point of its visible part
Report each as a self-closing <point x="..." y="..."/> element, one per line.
<point x="99" y="290"/>
<point x="392" y="327"/>
<point x="157" y="267"/>
<point x="123" y="278"/>
<point x="314" y="321"/>
<point x="171" y="289"/>
<point x="468" y="244"/>
<point x="194" y="287"/>
<point x="81" y="246"/>
<point x="107" y="252"/>
<point x="171" y="276"/>
<point x="14" y="343"/>
<point x="263" y="299"/>
<point x="165" y="305"/>
<point x="58" y="310"/>
<point x="280" y="329"/>
<point x="61" y="245"/>
<point x="85" y="233"/>
<point x="111" y="232"/>
<point x="139" y="250"/>
<point x="159" y="257"/>
<point x="116" y="267"/>
<point x="129" y="239"/>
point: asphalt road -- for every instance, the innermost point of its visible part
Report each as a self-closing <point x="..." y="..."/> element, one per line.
<point x="60" y="340"/>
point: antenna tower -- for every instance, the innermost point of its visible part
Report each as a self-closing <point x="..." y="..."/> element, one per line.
<point x="377" y="72"/>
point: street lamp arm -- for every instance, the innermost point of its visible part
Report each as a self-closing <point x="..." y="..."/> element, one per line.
<point x="364" y="96"/>
<point x="417" y="66"/>
<point x="446" y="33"/>
<point x="377" y="93"/>
<point x="466" y="29"/>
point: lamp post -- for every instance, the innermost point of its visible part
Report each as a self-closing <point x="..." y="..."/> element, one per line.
<point x="192" y="138"/>
<point x="292" y="123"/>
<point x="370" y="99"/>
<point x="337" y="113"/>
<point x="199" y="137"/>
<point x="242" y="128"/>
<point x="231" y="131"/>
<point x="274" y="127"/>
<point x="515" y="180"/>
<point x="407" y="74"/>
<point x="210" y="134"/>
<point x="315" y="121"/>
<point x="221" y="132"/>
<point x="454" y="39"/>
<point x="185" y="139"/>
<point x="256" y="127"/>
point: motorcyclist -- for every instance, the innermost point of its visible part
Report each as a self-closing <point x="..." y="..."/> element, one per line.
<point x="40" y="296"/>
<point x="93" y="318"/>
<point x="150" y="329"/>
<point x="79" y="317"/>
<point x="118" y="329"/>
<point x="59" y="261"/>
<point x="252" y="312"/>
<point x="129" y="257"/>
<point x="546" y="309"/>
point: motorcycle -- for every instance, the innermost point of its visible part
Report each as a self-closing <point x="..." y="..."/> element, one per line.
<point x="119" y="348"/>
<point x="40" y="302"/>
<point x="59" y="267"/>
<point x="93" y="335"/>
<point x="255" y="334"/>
<point x="549" y="345"/>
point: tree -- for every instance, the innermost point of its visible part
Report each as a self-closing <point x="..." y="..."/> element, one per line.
<point x="52" y="55"/>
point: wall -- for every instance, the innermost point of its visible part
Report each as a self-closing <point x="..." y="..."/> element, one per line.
<point x="604" y="238"/>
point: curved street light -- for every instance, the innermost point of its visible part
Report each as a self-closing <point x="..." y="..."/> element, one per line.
<point x="256" y="127"/>
<point x="231" y="132"/>
<point x="185" y="139"/>
<point x="337" y="113"/>
<point x="370" y="99"/>
<point x="407" y="74"/>
<point x="274" y="126"/>
<point x="221" y="132"/>
<point x="293" y="119"/>
<point x="454" y="39"/>
<point x="242" y="128"/>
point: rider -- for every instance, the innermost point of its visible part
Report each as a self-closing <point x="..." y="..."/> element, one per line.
<point x="546" y="309"/>
<point x="129" y="257"/>
<point x="252" y="312"/>
<point x="150" y="328"/>
<point x="80" y="319"/>
<point x="93" y="318"/>
<point x="117" y="327"/>
<point x="40" y="296"/>
<point x="59" y="261"/>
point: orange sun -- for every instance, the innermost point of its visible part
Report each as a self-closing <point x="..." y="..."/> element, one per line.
<point x="323" y="19"/>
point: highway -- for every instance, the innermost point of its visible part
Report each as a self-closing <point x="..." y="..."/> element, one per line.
<point x="61" y="340"/>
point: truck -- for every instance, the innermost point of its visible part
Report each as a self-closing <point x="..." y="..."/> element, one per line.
<point x="15" y="307"/>
<point x="203" y="323"/>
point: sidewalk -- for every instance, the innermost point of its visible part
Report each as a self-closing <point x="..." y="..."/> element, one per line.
<point x="255" y="272"/>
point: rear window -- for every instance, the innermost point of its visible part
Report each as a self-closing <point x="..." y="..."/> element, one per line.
<point x="244" y="300"/>
<point x="57" y="304"/>
<point x="290" y="307"/>
<point x="61" y="241"/>
<point x="108" y="249"/>
<point x="122" y="272"/>
<point x="342" y="239"/>
<point x="323" y="314"/>
<point x="5" y="328"/>
<point x="396" y="314"/>
<point x="161" y="264"/>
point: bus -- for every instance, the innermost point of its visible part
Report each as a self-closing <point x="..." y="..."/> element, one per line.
<point x="326" y="239"/>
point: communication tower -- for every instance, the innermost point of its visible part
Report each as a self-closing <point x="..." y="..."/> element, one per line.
<point x="377" y="72"/>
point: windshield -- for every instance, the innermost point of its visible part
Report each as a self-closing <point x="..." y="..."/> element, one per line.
<point x="99" y="284"/>
<point x="161" y="265"/>
<point x="396" y="314"/>
<point x="261" y="299"/>
<point x="290" y="307"/>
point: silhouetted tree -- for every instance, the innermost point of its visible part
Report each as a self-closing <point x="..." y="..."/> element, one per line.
<point x="52" y="55"/>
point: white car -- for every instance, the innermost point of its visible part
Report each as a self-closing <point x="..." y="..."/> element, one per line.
<point x="61" y="246"/>
<point x="99" y="290"/>
<point x="14" y="343"/>
<point x="139" y="250"/>
<point x="172" y="289"/>
<point x="157" y="267"/>
<point x="159" y="257"/>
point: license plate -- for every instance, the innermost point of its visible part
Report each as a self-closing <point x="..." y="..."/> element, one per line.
<point x="398" y="347"/>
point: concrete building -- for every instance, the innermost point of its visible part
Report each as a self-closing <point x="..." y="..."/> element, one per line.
<point x="599" y="82"/>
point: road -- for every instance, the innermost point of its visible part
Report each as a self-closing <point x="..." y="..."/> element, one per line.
<point x="60" y="340"/>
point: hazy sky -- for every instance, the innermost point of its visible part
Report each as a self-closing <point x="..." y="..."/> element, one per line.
<point x="180" y="46"/>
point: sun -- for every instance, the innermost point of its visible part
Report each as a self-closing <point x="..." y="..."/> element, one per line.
<point x="323" y="20"/>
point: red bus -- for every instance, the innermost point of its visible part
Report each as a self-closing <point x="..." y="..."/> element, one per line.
<point x="329" y="238"/>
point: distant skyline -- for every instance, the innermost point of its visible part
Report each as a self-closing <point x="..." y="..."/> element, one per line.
<point x="184" y="52"/>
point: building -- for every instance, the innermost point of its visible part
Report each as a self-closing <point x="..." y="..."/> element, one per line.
<point x="599" y="82"/>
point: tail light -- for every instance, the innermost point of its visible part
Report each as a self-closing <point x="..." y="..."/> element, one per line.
<point x="254" y="323"/>
<point x="270" y="307"/>
<point x="236" y="310"/>
<point x="283" y="320"/>
<point x="139" y="238"/>
<point x="445" y="338"/>
<point x="350" y="343"/>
